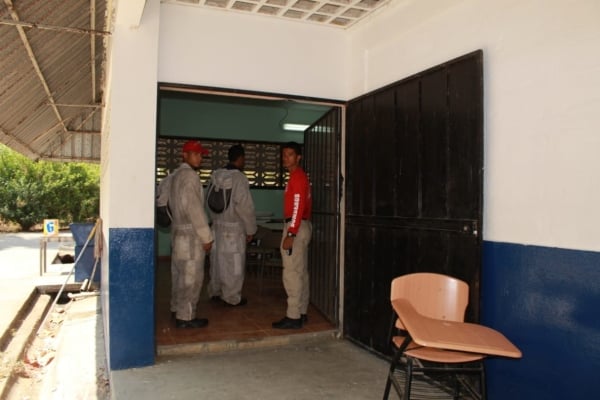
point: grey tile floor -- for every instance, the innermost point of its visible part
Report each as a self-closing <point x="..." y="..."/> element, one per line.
<point x="320" y="369"/>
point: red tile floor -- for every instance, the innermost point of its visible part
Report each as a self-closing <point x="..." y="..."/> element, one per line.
<point x="252" y="321"/>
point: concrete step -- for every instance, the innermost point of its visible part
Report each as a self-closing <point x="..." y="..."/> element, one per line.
<point x="243" y="344"/>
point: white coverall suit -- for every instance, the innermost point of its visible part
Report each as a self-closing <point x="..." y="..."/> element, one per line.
<point x="189" y="231"/>
<point x="230" y="230"/>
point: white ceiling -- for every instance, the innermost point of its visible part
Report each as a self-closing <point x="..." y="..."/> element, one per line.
<point x="334" y="13"/>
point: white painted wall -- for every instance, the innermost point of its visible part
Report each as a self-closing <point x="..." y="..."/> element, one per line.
<point x="542" y="103"/>
<point x="230" y="50"/>
<point x="542" y="74"/>
<point x="128" y="142"/>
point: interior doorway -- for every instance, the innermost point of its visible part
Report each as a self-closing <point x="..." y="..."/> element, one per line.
<point x="255" y="120"/>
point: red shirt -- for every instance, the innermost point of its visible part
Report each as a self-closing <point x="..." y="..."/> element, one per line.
<point x="297" y="201"/>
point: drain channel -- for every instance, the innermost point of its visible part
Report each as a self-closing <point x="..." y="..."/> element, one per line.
<point x="26" y="347"/>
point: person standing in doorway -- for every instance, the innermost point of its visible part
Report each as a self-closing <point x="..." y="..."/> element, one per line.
<point x="297" y="208"/>
<point x="191" y="237"/>
<point x="233" y="228"/>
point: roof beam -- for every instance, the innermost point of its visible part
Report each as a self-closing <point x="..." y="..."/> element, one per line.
<point x="15" y="143"/>
<point x="69" y="133"/>
<point x="93" y="47"/>
<point x="81" y="31"/>
<point x="97" y="105"/>
<point x="84" y="132"/>
<point x="43" y="135"/>
<point x="33" y="60"/>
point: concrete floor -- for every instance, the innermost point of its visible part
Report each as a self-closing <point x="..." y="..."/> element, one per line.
<point x="326" y="368"/>
<point x="319" y="367"/>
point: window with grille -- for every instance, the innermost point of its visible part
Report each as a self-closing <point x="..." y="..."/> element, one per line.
<point x="263" y="160"/>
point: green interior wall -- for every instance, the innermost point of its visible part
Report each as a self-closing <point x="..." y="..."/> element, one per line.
<point x="212" y="117"/>
<point x="222" y="117"/>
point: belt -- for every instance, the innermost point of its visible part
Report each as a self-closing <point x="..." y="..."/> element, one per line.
<point x="289" y="219"/>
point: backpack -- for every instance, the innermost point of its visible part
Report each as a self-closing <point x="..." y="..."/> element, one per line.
<point x="218" y="195"/>
<point x="163" y="213"/>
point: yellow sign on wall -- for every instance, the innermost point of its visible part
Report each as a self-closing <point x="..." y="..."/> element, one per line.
<point x="51" y="227"/>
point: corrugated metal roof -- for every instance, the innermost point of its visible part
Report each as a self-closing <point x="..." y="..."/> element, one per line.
<point x="52" y="77"/>
<point x="52" y="58"/>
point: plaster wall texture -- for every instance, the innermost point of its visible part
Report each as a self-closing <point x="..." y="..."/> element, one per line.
<point x="129" y="141"/>
<point x="541" y="74"/>
<point x="229" y="50"/>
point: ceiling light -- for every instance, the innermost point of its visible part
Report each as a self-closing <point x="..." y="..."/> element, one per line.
<point x="295" y="127"/>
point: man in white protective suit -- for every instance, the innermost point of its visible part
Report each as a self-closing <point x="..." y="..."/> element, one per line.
<point x="191" y="237"/>
<point x="233" y="228"/>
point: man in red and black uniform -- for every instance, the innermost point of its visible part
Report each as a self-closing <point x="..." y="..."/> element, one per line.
<point x="297" y="207"/>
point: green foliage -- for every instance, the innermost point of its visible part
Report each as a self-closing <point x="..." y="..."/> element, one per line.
<point x="32" y="191"/>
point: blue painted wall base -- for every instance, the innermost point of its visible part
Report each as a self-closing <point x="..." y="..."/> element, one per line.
<point x="130" y="303"/>
<point x="547" y="302"/>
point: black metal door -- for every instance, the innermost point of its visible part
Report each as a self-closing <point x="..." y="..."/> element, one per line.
<point x="414" y="175"/>
<point x="322" y="164"/>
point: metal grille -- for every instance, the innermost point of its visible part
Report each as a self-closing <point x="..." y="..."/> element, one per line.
<point x="414" y="174"/>
<point x="263" y="167"/>
<point x="322" y="160"/>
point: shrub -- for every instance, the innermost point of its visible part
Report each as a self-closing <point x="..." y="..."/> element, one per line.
<point x="31" y="191"/>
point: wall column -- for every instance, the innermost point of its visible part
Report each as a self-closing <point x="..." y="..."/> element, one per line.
<point x="127" y="186"/>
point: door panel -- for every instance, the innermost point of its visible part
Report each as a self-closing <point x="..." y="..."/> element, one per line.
<point x="407" y="159"/>
<point x="414" y="176"/>
<point x="322" y="164"/>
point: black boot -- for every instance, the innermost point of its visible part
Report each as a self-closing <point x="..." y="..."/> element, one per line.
<point x="194" y="323"/>
<point x="288" y="323"/>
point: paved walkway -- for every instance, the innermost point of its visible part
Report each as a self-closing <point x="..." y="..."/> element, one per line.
<point x="317" y="369"/>
<point x="20" y="271"/>
<point x="77" y="367"/>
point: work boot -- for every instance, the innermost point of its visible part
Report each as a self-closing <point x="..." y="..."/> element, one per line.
<point x="194" y="323"/>
<point x="288" y="323"/>
<point x="304" y="318"/>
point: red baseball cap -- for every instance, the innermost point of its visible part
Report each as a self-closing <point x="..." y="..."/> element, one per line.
<point x="194" y="146"/>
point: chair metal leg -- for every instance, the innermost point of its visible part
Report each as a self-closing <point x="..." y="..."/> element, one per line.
<point x="408" y="378"/>
<point x="456" y="388"/>
<point x="388" y="383"/>
<point x="470" y="387"/>
<point x="482" y="382"/>
<point x="391" y="380"/>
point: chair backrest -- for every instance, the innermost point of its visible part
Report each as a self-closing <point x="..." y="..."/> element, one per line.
<point x="432" y="295"/>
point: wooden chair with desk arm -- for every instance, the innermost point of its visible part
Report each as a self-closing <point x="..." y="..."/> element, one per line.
<point x="434" y="340"/>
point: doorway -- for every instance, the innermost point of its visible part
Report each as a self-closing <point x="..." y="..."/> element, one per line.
<point x="221" y="118"/>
